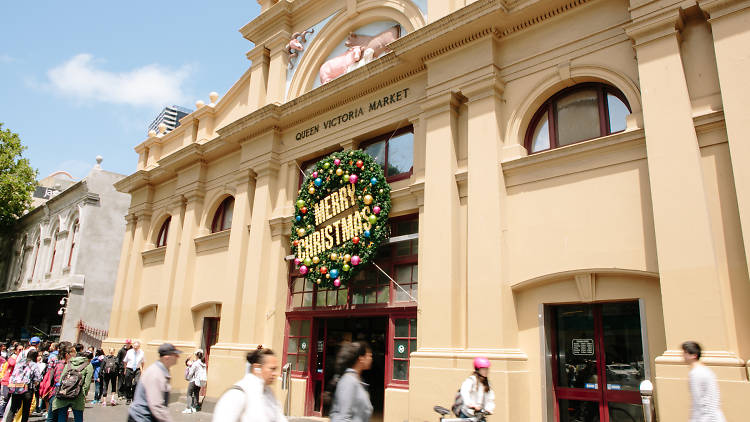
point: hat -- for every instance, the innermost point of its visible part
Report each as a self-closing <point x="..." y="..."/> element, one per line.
<point x="168" y="349"/>
<point x="35" y="340"/>
<point x="128" y="341"/>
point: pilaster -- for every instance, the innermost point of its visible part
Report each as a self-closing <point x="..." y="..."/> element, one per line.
<point x="278" y="62"/>
<point x="260" y="58"/>
<point x="129" y="322"/>
<point x="122" y="275"/>
<point x="174" y="234"/>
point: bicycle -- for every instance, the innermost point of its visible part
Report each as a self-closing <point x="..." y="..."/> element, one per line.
<point x="479" y="415"/>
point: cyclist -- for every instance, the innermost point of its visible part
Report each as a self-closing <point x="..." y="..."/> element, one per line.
<point x="476" y="392"/>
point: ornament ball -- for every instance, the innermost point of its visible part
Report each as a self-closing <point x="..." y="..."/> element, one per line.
<point x="355" y="240"/>
<point x="353" y="178"/>
<point x="303" y="270"/>
<point x="368" y="199"/>
<point x="308" y="262"/>
<point x="346" y="267"/>
<point x="374" y="181"/>
<point x="334" y="273"/>
<point x="366" y="233"/>
<point x="355" y="260"/>
<point x="315" y="174"/>
<point x="300" y="232"/>
<point x="318" y="181"/>
<point x="316" y="260"/>
<point x="337" y="282"/>
<point x="360" y="163"/>
<point x="303" y="210"/>
<point x="347" y="258"/>
<point x="376" y="210"/>
<point x="372" y="218"/>
<point x="336" y="161"/>
<point x="326" y="165"/>
<point x="297" y="261"/>
<point x="334" y="256"/>
<point x="298" y="218"/>
<point x="300" y="203"/>
<point x="311" y="191"/>
<point x="339" y="172"/>
<point x="323" y="270"/>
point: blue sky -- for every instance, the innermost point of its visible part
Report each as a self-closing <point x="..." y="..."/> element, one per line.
<point x="85" y="78"/>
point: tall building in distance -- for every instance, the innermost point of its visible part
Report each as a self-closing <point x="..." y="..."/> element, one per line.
<point x="171" y="116"/>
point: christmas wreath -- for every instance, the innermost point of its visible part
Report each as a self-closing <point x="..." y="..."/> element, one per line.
<point x="340" y="218"/>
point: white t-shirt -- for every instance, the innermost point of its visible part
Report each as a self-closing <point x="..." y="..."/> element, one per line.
<point x="133" y="359"/>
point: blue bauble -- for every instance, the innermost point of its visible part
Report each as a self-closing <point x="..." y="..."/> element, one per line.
<point x="374" y="181"/>
<point x="298" y="218"/>
<point x="318" y="182"/>
<point x="366" y="233"/>
<point x="334" y="273"/>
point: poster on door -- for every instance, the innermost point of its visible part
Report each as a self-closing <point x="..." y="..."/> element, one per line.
<point x="583" y="347"/>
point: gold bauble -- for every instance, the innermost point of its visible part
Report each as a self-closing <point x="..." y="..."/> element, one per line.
<point x="318" y="281"/>
<point x="347" y="258"/>
<point x="339" y="172"/>
<point x="368" y="199"/>
<point x="334" y="256"/>
<point x="300" y="232"/>
<point x="316" y="260"/>
<point x="328" y="276"/>
<point x="311" y="190"/>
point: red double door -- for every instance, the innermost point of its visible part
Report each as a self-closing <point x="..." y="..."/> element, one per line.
<point x="597" y="362"/>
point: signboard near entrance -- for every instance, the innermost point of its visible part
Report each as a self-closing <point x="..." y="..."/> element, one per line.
<point x="341" y="217"/>
<point x="583" y="347"/>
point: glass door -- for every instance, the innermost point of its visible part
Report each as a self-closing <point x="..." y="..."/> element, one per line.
<point x="597" y="362"/>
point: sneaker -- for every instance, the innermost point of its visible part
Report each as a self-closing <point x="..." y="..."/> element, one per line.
<point x="192" y="410"/>
<point x="187" y="410"/>
<point x="113" y="403"/>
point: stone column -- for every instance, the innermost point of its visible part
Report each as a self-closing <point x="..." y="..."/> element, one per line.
<point x="692" y="286"/>
<point x="258" y="77"/>
<point x="278" y="61"/>
<point x="122" y="275"/>
<point x="171" y="256"/>
<point x="129" y="323"/>
<point x="730" y="26"/>
<point x="256" y="281"/>
<point x="178" y="322"/>
<point x="232" y="308"/>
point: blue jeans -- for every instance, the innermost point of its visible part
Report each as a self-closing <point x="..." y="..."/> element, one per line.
<point x="52" y="414"/>
<point x="97" y="390"/>
<point x="63" y="415"/>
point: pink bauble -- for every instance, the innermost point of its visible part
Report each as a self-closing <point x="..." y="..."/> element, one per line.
<point x="315" y="174"/>
<point x="297" y="261"/>
<point x="336" y="161"/>
<point x="376" y="210"/>
<point x="353" y="178"/>
<point x="337" y="282"/>
<point x="303" y="270"/>
<point x="355" y="260"/>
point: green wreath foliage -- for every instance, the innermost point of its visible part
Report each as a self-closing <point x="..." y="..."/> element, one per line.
<point x="370" y="181"/>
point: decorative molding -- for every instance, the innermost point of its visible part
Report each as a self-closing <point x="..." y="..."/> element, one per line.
<point x="213" y="241"/>
<point x="154" y="256"/>
<point x="571" y="274"/>
<point x="708" y="357"/>
<point x="280" y="226"/>
<point x="656" y="26"/>
<point x="586" y="284"/>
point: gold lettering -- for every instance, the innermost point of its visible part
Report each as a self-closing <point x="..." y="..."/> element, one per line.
<point x="337" y="228"/>
<point x="347" y="228"/>
<point x="335" y="205"/>
<point x="357" y="223"/>
<point x="316" y="243"/>
<point x="352" y="194"/>
<point x="329" y="239"/>
<point x="343" y="198"/>
<point x="327" y="207"/>
<point x="319" y="213"/>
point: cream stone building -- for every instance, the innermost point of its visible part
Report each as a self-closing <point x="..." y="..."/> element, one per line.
<point x="570" y="189"/>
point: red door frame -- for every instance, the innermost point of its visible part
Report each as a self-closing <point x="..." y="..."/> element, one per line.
<point x="602" y="395"/>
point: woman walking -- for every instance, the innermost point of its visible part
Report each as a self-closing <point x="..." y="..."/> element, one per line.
<point x="76" y="378"/>
<point x="351" y="401"/>
<point x="108" y="374"/>
<point x="23" y="382"/>
<point x="197" y="379"/>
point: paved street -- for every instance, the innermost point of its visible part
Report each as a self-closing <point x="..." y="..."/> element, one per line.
<point x="98" y="413"/>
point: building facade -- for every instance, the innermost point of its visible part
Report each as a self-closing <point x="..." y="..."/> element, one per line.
<point x="568" y="184"/>
<point x="62" y="260"/>
<point x="170" y="116"/>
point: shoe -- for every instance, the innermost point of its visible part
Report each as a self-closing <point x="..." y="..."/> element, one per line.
<point x="193" y="410"/>
<point x="128" y="402"/>
<point x="113" y="403"/>
<point x="187" y="410"/>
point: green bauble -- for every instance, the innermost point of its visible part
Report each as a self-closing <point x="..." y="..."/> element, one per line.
<point x="373" y="219"/>
<point x="308" y="262"/>
<point x="326" y="165"/>
<point x="300" y="203"/>
<point x="346" y="267"/>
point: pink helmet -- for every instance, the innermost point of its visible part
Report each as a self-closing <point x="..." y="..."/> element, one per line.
<point x="481" y="362"/>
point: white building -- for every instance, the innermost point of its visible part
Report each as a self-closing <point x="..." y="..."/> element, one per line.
<point x="61" y="265"/>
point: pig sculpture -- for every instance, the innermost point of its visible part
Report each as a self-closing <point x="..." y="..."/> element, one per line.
<point x="362" y="50"/>
<point x="338" y="65"/>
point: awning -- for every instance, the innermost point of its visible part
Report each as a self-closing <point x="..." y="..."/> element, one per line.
<point x="32" y="293"/>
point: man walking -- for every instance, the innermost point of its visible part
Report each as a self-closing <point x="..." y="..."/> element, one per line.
<point x="133" y="368"/>
<point x="121" y="368"/>
<point x="703" y="387"/>
<point x="152" y="393"/>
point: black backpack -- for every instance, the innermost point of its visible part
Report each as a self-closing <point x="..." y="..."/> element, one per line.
<point x="110" y="365"/>
<point x="71" y="382"/>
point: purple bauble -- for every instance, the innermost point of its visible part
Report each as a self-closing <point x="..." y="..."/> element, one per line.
<point x="355" y="260"/>
<point x="353" y="178"/>
<point x="376" y="210"/>
<point x="315" y="174"/>
<point x="337" y="282"/>
<point x="336" y="161"/>
<point x="303" y="270"/>
<point x="297" y="261"/>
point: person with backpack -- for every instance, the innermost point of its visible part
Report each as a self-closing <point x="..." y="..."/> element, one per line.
<point x="108" y="374"/>
<point x="251" y="398"/>
<point x="51" y="382"/>
<point x="7" y="372"/>
<point x="96" y="362"/>
<point x="74" y="385"/>
<point x="197" y="379"/>
<point x="23" y="382"/>
<point x="475" y="393"/>
<point x="351" y="401"/>
<point x="152" y="393"/>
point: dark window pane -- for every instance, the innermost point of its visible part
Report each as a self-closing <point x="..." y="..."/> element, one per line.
<point x="400" y="153"/>
<point x="305" y="328"/>
<point x="307" y="300"/>
<point x="406" y="227"/>
<point x="342" y="296"/>
<point x="377" y="152"/>
<point x="577" y="117"/>
<point x="302" y="363"/>
<point x="292" y="345"/>
<point x="576" y="347"/>
<point x="299" y="283"/>
<point x="618" y="112"/>
<point x="402" y="327"/>
<point x="331" y="297"/>
<point x="228" y="212"/>
<point x="579" y="411"/>
<point x="371" y="295"/>
<point x="540" y="137"/>
<point x="294" y="328"/>
<point x="297" y="300"/>
<point x="623" y="347"/>
<point x="413" y="324"/>
<point x="383" y="293"/>
<point x="357" y="297"/>
<point x="400" y="370"/>
<point x="401" y="295"/>
<point x="412" y="346"/>
<point x="625" y="412"/>
<point x="403" y="248"/>
<point x="320" y="299"/>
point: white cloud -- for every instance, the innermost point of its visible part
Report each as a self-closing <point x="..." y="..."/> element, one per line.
<point x="150" y="85"/>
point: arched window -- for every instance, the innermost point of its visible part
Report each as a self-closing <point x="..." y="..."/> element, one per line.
<point x="223" y="217"/>
<point x="36" y="255"/>
<point x="576" y="114"/>
<point x="161" y="240"/>
<point x="73" y="239"/>
<point x="54" y="249"/>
